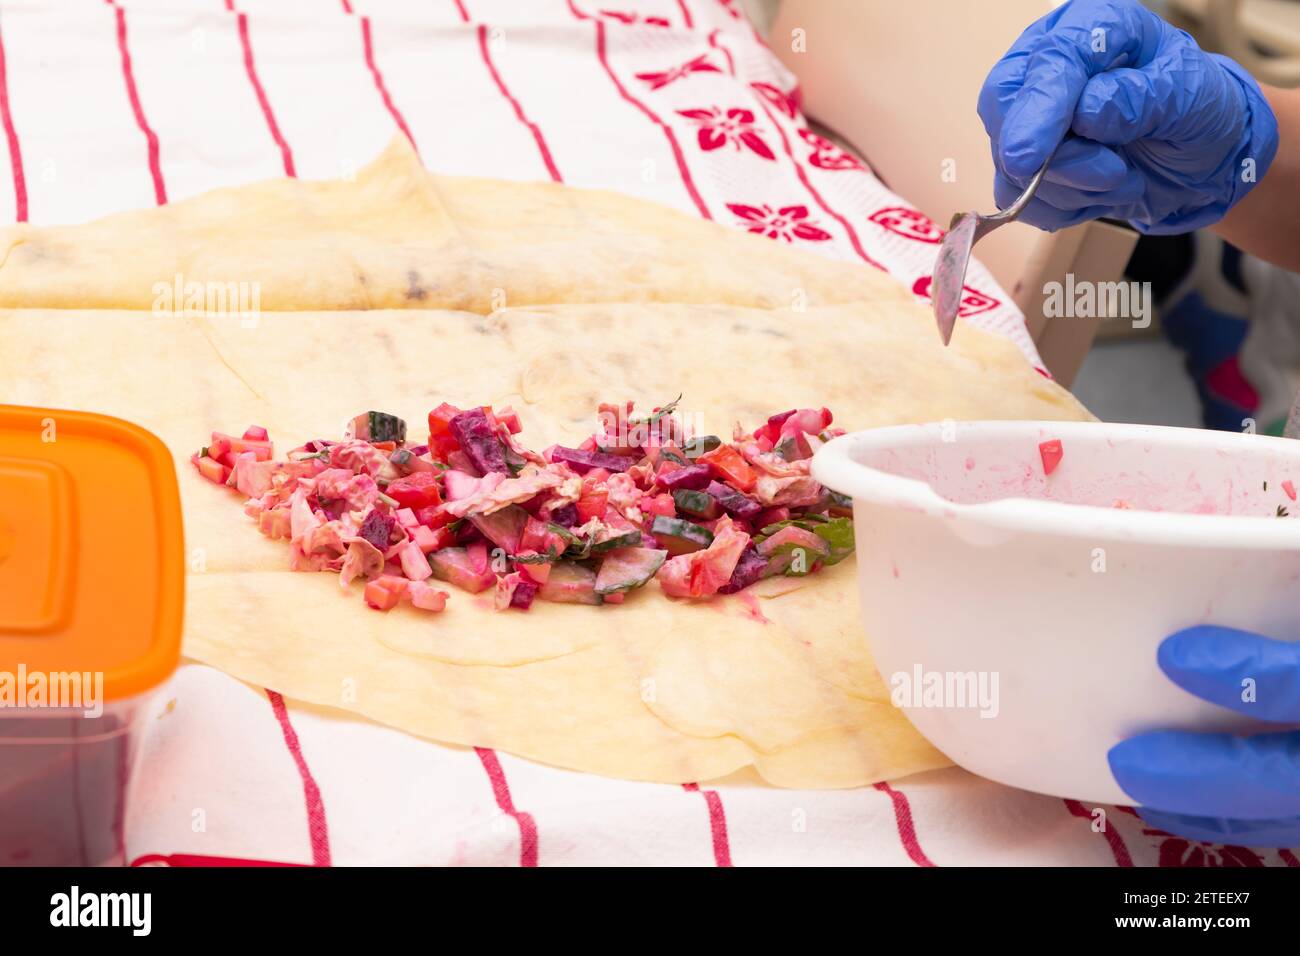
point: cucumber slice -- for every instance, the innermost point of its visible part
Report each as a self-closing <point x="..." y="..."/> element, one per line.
<point x="678" y="536"/>
<point x="570" y="583"/>
<point x="701" y="444"/>
<point x="697" y="504"/>
<point x="377" y="426"/>
<point x="627" y="568"/>
<point x="782" y="548"/>
<point x="610" y="538"/>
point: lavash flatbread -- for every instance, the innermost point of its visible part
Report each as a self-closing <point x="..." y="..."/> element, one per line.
<point x="653" y="689"/>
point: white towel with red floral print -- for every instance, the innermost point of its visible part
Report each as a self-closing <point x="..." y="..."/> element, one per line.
<point x="126" y="103"/>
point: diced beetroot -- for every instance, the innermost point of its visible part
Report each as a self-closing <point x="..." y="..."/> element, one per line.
<point x="772" y="516"/>
<point x="479" y="441"/>
<point x="418" y="490"/>
<point x="256" y="433"/>
<point x="1051" y="453"/>
<point x="414" y="564"/>
<point x="692" y="477"/>
<point x="461" y="462"/>
<point x="566" y="516"/>
<point x="749" y="569"/>
<point x="734" y="502"/>
<point x="418" y="449"/>
<point x="377" y="528"/>
<point x="525" y="591"/>
<point x="772" y="429"/>
<point x="728" y="465"/>
<point x="582" y="461"/>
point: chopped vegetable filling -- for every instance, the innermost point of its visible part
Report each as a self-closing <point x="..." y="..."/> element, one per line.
<point x="642" y="499"/>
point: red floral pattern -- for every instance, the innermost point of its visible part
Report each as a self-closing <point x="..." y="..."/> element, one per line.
<point x="700" y="64"/>
<point x="788" y="222"/>
<point x="908" y="223"/>
<point x="1180" y="851"/>
<point x="973" y="301"/>
<point x="736" y="126"/>
<point x="630" y="18"/>
<point x="730" y="7"/>
<point x="787" y="103"/>
<point x="826" y="155"/>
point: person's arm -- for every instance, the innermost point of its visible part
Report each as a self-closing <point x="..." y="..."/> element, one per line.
<point x="1267" y="222"/>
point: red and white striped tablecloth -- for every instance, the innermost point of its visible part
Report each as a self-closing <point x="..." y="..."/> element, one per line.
<point x="116" y="104"/>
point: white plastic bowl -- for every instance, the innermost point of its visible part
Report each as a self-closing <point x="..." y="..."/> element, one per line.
<point x="973" y="563"/>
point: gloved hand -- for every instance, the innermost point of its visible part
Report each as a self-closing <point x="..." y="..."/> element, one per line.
<point x="1215" y="787"/>
<point x="1161" y="133"/>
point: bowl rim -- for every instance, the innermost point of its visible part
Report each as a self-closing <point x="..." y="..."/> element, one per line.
<point x="835" y="467"/>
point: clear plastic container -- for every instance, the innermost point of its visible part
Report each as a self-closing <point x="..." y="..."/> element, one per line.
<point x="91" y="583"/>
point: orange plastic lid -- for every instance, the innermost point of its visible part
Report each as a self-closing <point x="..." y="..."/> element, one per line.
<point x="92" y="573"/>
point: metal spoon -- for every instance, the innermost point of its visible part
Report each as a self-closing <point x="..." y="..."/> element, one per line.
<point x="968" y="228"/>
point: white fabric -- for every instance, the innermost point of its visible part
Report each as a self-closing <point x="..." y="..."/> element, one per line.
<point x="227" y="771"/>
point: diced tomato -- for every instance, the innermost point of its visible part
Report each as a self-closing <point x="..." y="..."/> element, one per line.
<point x="662" y="504"/>
<point x="418" y="490"/>
<point x="256" y="433"/>
<point x="591" y="504"/>
<point x="441" y="441"/>
<point x="730" y="467"/>
<point x="434" y="516"/>
<point x="596" y="476"/>
<point x="444" y="537"/>
<point x="771" y="516"/>
<point x="382" y="594"/>
<point x="1051" y="453"/>
<point x="1289" y="488"/>
<point x="385" y="445"/>
<point x="588" y="445"/>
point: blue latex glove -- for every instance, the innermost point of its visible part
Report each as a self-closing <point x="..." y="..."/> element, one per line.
<point x="1215" y="787"/>
<point x="1158" y="130"/>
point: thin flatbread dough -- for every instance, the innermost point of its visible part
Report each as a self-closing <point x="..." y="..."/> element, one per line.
<point x="653" y="689"/>
<point x="396" y="236"/>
